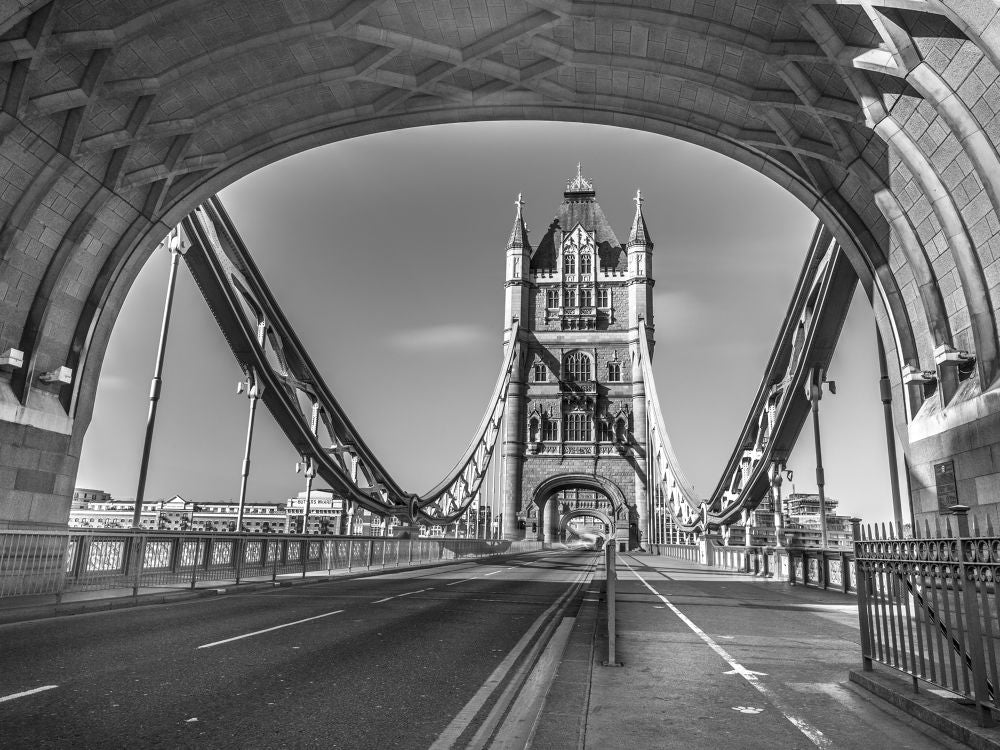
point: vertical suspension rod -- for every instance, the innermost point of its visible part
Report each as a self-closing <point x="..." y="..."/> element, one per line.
<point x="176" y="248"/>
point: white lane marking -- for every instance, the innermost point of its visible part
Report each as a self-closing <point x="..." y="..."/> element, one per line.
<point x="814" y="735"/>
<point x="408" y="593"/>
<point x="495" y="572"/>
<point x="382" y="600"/>
<point x="15" y="696"/>
<point x="455" y="583"/>
<point x="268" y="630"/>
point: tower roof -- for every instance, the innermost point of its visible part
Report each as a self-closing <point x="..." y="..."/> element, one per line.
<point x="580" y="206"/>
<point x="519" y="232"/>
<point x="639" y="235"/>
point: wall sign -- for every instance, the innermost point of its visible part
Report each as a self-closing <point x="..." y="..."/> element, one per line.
<point x="947" y="488"/>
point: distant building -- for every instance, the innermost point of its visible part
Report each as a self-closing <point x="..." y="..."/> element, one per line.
<point x="97" y="509"/>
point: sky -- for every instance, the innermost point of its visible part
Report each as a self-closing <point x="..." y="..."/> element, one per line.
<point x="387" y="252"/>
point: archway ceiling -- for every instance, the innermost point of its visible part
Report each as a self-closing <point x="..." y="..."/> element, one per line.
<point x="117" y="117"/>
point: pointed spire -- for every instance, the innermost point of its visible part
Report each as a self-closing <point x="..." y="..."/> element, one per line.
<point x="639" y="235"/>
<point x="519" y="232"/>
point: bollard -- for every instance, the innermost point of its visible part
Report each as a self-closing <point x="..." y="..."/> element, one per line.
<point x="611" y="577"/>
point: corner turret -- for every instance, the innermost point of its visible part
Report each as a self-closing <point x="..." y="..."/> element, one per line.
<point x="518" y="268"/>
<point x="640" y="268"/>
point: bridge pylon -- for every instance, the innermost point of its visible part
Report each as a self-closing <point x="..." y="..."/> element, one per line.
<point x="575" y="414"/>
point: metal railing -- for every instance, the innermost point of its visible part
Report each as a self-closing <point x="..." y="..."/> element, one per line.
<point x="33" y="562"/>
<point x="929" y="606"/>
<point x="831" y="569"/>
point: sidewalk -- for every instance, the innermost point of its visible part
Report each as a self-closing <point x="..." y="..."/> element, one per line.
<point x="713" y="659"/>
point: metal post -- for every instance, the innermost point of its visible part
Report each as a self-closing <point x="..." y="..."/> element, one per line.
<point x="885" y="390"/>
<point x="254" y="391"/>
<point x="176" y="248"/>
<point x="779" y="514"/>
<point x="864" y="596"/>
<point x="310" y="472"/>
<point x="973" y="627"/>
<point x="815" y="394"/>
<point x="611" y="576"/>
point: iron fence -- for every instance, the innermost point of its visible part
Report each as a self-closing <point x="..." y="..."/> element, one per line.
<point x="38" y="562"/>
<point x="928" y="606"/>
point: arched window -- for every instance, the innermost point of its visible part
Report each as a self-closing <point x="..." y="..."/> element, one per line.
<point x="534" y="431"/>
<point x="539" y="373"/>
<point x="552" y="298"/>
<point x="569" y="297"/>
<point x="586" y="298"/>
<point x="586" y="264"/>
<point x="578" y="427"/>
<point x="577" y="367"/>
<point x="602" y="298"/>
<point x="614" y="372"/>
<point x="606" y="433"/>
<point x="551" y="429"/>
<point x="620" y="429"/>
<point x="569" y="263"/>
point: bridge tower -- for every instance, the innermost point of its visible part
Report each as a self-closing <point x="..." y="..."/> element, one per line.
<point x="575" y="436"/>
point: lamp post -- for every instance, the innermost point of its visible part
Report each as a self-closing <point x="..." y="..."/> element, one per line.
<point x="814" y="392"/>
<point x="254" y="390"/>
<point x="177" y="246"/>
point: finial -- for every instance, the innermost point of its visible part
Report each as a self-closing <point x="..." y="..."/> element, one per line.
<point x="638" y="197"/>
<point x="579" y="183"/>
<point x="518" y="203"/>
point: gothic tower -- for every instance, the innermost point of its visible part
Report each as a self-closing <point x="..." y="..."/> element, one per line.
<point x="575" y="435"/>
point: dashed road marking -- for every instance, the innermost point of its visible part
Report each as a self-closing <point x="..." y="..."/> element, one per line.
<point x="268" y="630"/>
<point x="15" y="696"/>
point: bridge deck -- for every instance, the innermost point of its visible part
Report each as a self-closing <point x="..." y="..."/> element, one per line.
<point x="422" y="658"/>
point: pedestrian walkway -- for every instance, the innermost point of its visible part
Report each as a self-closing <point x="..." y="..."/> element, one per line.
<point x="713" y="659"/>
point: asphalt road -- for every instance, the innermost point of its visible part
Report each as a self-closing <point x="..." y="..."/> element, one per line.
<point x="380" y="662"/>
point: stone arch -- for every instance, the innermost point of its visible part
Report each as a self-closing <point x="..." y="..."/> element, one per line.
<point x="608" y="521"/>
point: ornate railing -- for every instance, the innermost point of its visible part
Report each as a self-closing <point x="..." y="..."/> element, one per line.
<point x="33" y="563"/>
<point x="275" y="361"/>
<point x="928" y="605"/>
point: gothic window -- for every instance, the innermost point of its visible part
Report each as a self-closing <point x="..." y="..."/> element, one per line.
<point x="577" y="367"/>
<point x="552" y="298"/>
<point x="607" y="433"/>
<point x="585" y="264"/>
<point x="539" y="373"/>
<point x="569" y="297"/>
<point x="569" y="263"/>
<point x="586" y="298"/>
<point x="620" y="429"/>
<point x="533" y="430"/>
<point x="614" y="372"/>
<point x="551" y="428"/>
<point x="578" y="427"/>
<point x="603" y="298"/>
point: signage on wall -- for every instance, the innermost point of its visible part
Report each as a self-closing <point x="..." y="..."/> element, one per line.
<point x="947" y="488"/>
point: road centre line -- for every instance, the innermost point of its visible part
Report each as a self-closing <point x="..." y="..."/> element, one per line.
<point x="814" y="735"/>
<point x="382" y="600"/>
<point x="15" y="696"/>
<point x="268" y="630"/>
<point x="495" y="572"/>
